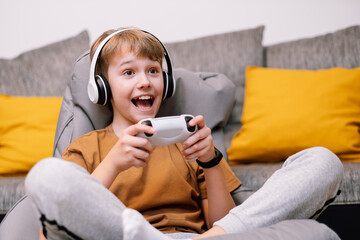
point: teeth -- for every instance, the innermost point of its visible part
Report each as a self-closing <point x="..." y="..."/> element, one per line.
<point x="144" y="98"/>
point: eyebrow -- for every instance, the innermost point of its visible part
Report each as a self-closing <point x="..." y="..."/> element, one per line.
<point x="126" y="62"/>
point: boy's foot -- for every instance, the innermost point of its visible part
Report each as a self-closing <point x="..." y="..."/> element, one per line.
<point x="136" y="227"/>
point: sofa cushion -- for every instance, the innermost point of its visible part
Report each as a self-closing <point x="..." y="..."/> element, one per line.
<point x="287" y="111"/>
<point x="338" y="49"/>
<point x="27" y="131"/>
<point x="44" y="71"/>
<point x="228" y="53"/>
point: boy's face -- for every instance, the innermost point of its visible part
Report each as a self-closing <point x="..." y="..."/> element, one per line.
<point x="136" y="85"/>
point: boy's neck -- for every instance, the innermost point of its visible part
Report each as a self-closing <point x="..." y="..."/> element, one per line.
<point x="119" y="126"/>
<point x="116" y="130"/>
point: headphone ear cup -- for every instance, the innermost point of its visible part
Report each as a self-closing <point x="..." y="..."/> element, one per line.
<point x="171" y="85"/>
<point x="104" y="89"/>
<point x="166" y="85"/>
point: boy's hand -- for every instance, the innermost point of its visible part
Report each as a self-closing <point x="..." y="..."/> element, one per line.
<point x="127" y="152"/>
<point x="131" y="150"/>
<point x="199" y="145"/>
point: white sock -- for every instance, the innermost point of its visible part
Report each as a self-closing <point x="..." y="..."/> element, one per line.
<point x="136" y="227"/>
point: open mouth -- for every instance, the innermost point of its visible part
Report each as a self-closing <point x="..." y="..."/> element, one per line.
<point x="143" y="102"/>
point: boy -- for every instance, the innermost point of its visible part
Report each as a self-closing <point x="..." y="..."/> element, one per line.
<point x="164" y="186"/>
<point x="173" y="194"/>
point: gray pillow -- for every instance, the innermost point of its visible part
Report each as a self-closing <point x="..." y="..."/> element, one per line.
<point x="228" y="53"/>
<point x="203" y="93"/>
<point x="44" y="71"/>
<point x="338" y="49"/>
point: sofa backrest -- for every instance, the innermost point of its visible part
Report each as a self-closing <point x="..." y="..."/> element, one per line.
<point x="43" y="71"/>
<point x="338" y="49"/>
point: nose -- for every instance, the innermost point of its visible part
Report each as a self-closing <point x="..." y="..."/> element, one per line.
<point x="143" y="81"/>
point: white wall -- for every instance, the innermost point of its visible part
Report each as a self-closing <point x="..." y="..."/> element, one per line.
<point x="27" y="24"/>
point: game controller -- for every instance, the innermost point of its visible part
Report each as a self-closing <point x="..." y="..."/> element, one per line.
<point x="169" y="130"/>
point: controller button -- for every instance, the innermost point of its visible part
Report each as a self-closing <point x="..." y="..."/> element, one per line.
<point x="148" y="123"/>
<point x="189" y="128"/>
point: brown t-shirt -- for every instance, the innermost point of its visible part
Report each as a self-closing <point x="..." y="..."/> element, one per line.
<point x="167" y="192"/>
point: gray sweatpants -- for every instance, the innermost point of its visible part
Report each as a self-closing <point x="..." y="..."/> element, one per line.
<point x="70" y="202"/>
<point x="307" y="182"/>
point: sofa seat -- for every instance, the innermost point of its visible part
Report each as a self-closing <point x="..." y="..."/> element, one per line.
<point x="11" y="190"/>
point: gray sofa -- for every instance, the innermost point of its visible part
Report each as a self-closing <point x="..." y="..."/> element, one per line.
<point x="229" y="54"/>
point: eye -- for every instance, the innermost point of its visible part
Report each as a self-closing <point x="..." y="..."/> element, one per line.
<point x="128" y="72"/>
<point x="154" y="70"/>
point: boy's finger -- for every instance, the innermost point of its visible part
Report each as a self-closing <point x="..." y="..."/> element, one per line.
<point x="140" y="163"/>
<point x="200" y="135"/>
<point x="141" y="143"/>
<point x="142" y="154"/>
<point x="138" y="128"/>
<point x="198" y="120"/>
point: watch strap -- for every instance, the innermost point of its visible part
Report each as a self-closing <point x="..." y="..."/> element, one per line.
<point x="213" y="162"/>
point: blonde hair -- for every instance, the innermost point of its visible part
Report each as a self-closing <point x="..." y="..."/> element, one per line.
<point x="142" y="44"/>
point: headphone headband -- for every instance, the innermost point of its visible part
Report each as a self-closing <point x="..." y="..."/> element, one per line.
<point x="93" y="89"/>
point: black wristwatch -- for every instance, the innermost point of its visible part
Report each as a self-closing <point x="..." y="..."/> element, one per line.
<point x="213" y="162"/>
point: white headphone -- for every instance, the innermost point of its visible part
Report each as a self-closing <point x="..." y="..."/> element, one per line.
<point x="98" y="87"/>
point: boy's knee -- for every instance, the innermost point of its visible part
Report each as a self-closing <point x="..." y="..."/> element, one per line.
<point x="326" y="159"/>
<point x="327" y="162"/>
<point x="321" y="162"/>
<point x="47" y="175"/>
<point x="39" y="174"/>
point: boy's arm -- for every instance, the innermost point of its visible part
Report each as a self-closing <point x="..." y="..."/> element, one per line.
<point x="219" y="201"/>
<point x="200" y="145"/>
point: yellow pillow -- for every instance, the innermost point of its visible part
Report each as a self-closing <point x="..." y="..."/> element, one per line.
<point x="286" y="111"/>
<point x="27" y="131"/>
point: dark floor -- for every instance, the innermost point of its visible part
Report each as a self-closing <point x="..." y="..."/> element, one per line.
<point x="343" y="219"/>
<point x="2" y="217"/>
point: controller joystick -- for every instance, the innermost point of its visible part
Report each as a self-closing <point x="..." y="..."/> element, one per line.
<point x="169" y="130"/>
<point x="148" y="123"/>
<point x="189" y="128"/>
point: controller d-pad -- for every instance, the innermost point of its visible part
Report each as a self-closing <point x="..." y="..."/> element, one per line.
<point x="148" y="123"/>
<point x="189" y="128"/>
